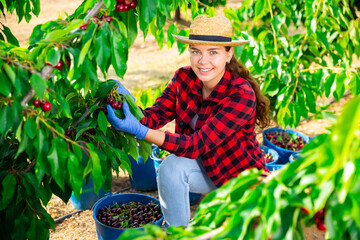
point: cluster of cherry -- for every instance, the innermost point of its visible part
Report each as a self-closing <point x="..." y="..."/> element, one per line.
<point x="125" y="5"/>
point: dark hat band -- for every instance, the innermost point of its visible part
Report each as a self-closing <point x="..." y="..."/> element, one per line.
<point x="209" y="38"/>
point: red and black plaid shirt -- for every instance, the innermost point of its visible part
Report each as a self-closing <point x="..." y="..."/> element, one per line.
<point x="224" y="137"/>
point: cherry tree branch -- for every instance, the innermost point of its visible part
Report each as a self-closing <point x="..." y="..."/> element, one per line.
<point x="86" y="113"/>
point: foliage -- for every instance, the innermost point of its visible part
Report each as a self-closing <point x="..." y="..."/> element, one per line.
<point x="146" y="98"/>
<point x="300" y="51"/>
<point x="45" y="153"/>
<point x="326" y="176"/>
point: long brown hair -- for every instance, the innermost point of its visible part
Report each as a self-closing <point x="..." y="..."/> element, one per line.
<point x="262" y="102"/>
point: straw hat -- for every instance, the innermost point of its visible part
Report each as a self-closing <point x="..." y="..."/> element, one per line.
<point x="211" y="31"/>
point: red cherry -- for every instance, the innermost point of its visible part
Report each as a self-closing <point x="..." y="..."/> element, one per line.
<point x="120" y="7"/>
<point x="119" y="105"/>
<point x="106" y="18"/>
<point x="36" y="103"/>
<point x="321" y="226"/>
<point x="105" y="111"/>
<point x="319" y="215"/>
<point x="84" y="26"/>
<point x="127" y="2"/>
<point x="126" y="8"/>
<point x="68" y="133"/>
<point x="46" y="106"/>
<point x="120" y="1"/>
<point x="110" y="100"/>
<point x="133" y="5"/>
<point x="96" y="19"/>
<point x="68" y="62"/>
<point x="305" y="210"/>
<point x="59" y="65"/>
<point x="114" y="105"/>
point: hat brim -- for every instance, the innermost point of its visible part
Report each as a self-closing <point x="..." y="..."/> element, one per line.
<point x="233" y="43"/>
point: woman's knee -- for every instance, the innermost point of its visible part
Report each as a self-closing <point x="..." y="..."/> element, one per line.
<point x="167" y="166"/>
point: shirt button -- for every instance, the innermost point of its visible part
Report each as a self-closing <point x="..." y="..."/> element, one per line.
<point x="195" y="108"/>
<point x="181" y="124"/>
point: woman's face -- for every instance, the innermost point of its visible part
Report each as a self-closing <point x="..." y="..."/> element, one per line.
<point x="208" y="62"/>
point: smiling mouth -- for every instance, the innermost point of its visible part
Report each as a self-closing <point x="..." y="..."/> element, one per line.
<point x="205" y="69"/>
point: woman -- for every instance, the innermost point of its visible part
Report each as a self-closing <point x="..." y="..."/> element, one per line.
<point x="215" y="103"/>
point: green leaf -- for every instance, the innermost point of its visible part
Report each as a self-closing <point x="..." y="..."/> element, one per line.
<point x="53" y="56"/>
<point x="147" y="12"/>
<point x="39" y="189"/>
<point x="30" y="128"/>
<point x="323" y="39"/>
<point x="16" y="113"/>
<point x="284" y="9"/>
<point x="75" y="169"/>
<point x="36" y="35"/>
<point x="102" y="121"/>
<point x="340" y="87"/>
<point x="5" y="85"/>
<point x="56" y="156"/>
<point x="90" y="34"/>
<point x="38" y="84"/>
<point x="172" y="29"/>
<point x="354" y="85"/>
<point x="96" y="168"/>
<point x="130" y="19"/>
<point x="259" y="9"/>
<point x="5" y="119"/>
<point x="104" y="88"/>
<point x="133" y="107"/>
<point x="145" y="149"/>
<point x="42" y="146"/>
<point x="329" y="85"/>
<point x="9" y="36"/>
<point x="310" y="99"/>
<point x="110" y="4"/>
<point x="8" y="190"/>
<point x="271" y="86"/>
<point x="10" y="73"/>
<point x="119" y="53"/>
<point x="102" y="48"/>
<point x="39" y="229"/>
<point x="65" y="107"/>
<point x="21" y="224"/>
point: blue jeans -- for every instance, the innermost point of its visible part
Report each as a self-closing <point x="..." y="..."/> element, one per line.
<point x="177" y="176"/>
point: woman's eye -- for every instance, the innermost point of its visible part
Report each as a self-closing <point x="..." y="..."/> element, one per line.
<point x="195" y="52"/>
<point x="213" y="52"/>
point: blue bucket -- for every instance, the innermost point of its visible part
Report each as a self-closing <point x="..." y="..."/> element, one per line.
<point x="87" y="197"/>
<point x="143" y="174"/>
<point x="104" y="232"/>
<point x="194" y="197"/>
<point x="284" y="154"/>
<point x="273" y="153"/>
<point x="293" y="157"/>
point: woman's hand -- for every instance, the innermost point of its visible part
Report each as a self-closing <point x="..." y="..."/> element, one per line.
<point x="122" y="90"/>
<point x="129" y="124"/>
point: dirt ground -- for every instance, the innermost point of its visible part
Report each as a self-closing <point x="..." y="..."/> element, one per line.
<point x="147" y="66"/>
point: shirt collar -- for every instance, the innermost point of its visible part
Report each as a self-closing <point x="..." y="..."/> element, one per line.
<point x="219" y="91"/>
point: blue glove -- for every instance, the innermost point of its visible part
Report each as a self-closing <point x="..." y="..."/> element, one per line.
<point x="122" y="90"/>
<point x="129" y="124"/>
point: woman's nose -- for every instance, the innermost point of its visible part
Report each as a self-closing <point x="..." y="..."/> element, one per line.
<point x="203" y="58"/>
